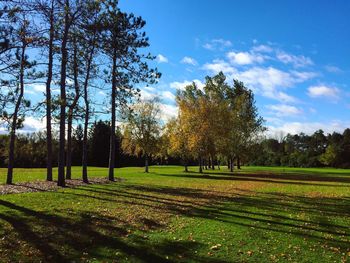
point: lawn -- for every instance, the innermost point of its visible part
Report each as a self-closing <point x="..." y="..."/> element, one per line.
<point x="259" y="214"/>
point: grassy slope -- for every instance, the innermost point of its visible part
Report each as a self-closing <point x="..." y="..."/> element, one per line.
<point x="257" y="215"/>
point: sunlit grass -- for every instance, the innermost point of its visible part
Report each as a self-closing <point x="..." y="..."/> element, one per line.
<point x="255" y="215"/>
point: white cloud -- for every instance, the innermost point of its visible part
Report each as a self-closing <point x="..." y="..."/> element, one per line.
<point x="168" y="111"/>
<point x="323" y="91"/>
<point x="32" y="124"/>
<point x="333" y="69"/>
<point x="217" y="44"/>
<point x="308" y="127"/>
<point x="296" y="61"/>
<point x="244" y="58"/>
<point x="146" y="95"/>
<point x="262" y="48"/>
<point x="219" y="65"/>
<point x="182" y="85"/>
<point x="162" y="59"/>
<point x="168" y="95"/>
<point x="281" y="110"/>
<point x="189" y="61"/>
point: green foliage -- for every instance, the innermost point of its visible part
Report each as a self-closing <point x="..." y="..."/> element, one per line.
<point x="303" y="150"/>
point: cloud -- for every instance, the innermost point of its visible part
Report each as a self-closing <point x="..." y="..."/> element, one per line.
<point x="168" y="111"/>
<point x="333" y="69"/>
<point x="262" y="48"/>
<point x="168" y="95"/>
<point x="146" y="95"/>
<point x="189" y="61"/>
<point x="244" y="58"/>
<point x="267" y="81"/>
<point x="32" y="124"/>
<point x="217" y="44"/>
<point x="323" y="91"/>
<point x="162" y="59"/>
<point x="308" y="127"/>
<point x="219" y="66"/>
<point x="181" y="85"/>
<point x="296" y="61"/>
<point x="282" y="110"/>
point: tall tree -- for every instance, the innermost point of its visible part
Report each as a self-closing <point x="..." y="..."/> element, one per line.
<point x="18" y="67"/>
<point x="122" y="40"/>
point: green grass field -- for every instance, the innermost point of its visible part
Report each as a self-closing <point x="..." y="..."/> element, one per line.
<point x="258" y="214"/>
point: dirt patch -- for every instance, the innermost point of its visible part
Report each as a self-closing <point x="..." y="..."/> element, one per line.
<point x="43" y="186"/>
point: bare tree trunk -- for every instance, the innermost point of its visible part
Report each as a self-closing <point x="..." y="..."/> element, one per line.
<point x="200" y="165"/>
<point x="113" y="118"/>
<point x="228" y="163"/>
<point x="71" y="112"/>
<point x="48" y="99"/>
<point x="64" y="52"/>
<point x="87" y="114"/>
<point x="238" y="163"/>
<point x="146" y="163"/>
<point x="231" y="165"/>
<point x="212" y="163"/>
<point x="69" y="147"/>
<point x="9" y="178"/>
<point x="186" y="166"/>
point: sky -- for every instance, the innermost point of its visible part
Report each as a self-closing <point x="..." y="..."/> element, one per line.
<point x="294" y="55"/>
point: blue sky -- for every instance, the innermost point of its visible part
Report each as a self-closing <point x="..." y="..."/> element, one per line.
<point x="295" y="55"/>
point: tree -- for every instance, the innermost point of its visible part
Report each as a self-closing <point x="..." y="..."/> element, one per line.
<point x="142" y="132"/>
<point x="177" y="141"/>
<point x="121" y="41"/>
<point x="18" y="67"/>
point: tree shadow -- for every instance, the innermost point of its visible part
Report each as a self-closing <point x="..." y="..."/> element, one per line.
<point x="84" y="236"/>
<point x="291" y="179"/>
<point x="80" y="236"/>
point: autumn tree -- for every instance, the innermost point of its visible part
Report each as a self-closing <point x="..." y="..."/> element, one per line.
<point x="142" y="132"/>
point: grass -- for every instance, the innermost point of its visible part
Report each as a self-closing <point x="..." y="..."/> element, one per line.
<point x="259" y="214"/>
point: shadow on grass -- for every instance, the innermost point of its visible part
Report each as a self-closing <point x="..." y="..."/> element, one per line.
<point x="292" y="179"/>
<point x="83" y="236"/>
<point x="266" y="211"/>
<point x="66" y="236"/>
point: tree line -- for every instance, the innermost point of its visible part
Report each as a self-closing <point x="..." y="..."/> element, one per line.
<point x="75" y="47"/>
<point x="301" y="150"/>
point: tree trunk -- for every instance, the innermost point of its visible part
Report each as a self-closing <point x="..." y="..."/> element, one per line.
<point x="87" y="111"/>
<point x="200" y="165"/>
<point x="238" y="163"/>
<point x="113" y="117"/>
<point x="218" y="162"/>
<point x="71" y="112"/>
<point x="228" y="163"/>
<point x="146" y="163"/>
<point x="69" y="146"/>
<point x="186" y="166"/>
<point x="231" y="165"/>
<point x="9" y="178"/>
<point x="64" y="52"/>
<point x="48" y="99"/>
<point x="212" y="163"/>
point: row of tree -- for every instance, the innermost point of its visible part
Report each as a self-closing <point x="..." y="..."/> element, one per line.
<point x="30" y="150"/>
<point x="217" y="123"/>
<point x="303" y="150"/>
<point x="76" y="47"/>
